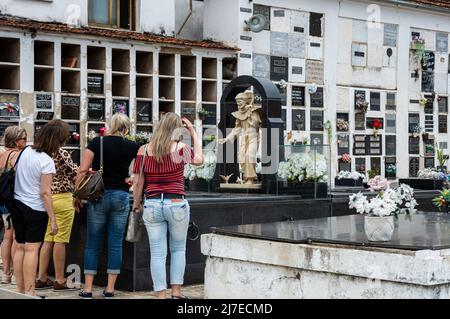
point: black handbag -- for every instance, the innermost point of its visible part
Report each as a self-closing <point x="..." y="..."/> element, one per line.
<point x="7" y="179"/>
<point x="91" y="186"/>
<point x="135" y="222"/>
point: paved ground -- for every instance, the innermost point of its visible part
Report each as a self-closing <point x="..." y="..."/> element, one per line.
<point x="193" y="292"/>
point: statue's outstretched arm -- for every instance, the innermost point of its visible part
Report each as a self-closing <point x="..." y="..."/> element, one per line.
<point x="233" y="134"/>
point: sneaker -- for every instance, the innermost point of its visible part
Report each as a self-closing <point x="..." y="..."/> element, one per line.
<point x="43" y="285"/>
<point x="108" y="295"/>
<point x="85" y="295"/>
<point x="63" y="287"/>
<point x="6" y="278"/>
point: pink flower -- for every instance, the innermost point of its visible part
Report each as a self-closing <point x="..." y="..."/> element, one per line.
<point x="102" y="131"/>
<point x="378" y="184"/>
<point x="346" y="158"/>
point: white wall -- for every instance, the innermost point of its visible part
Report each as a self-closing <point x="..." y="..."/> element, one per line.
<point x="65" y="11"/>
<point x="221" y="21"/>
<point x="193" y="29"/>
<point x="156" y="16"/>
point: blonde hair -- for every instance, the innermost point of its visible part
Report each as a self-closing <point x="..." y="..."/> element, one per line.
<point x="167" y="130"/>
<point x="119" y="124"/>
<point x="12" y="135"/>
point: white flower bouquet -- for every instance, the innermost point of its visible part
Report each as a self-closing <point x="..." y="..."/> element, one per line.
<point x="430" y="173"/>
<point x="304" y="167"/>
<point x="204" y="171"/>
<point x="387" y="203"/>
<point x="350" y="175"/>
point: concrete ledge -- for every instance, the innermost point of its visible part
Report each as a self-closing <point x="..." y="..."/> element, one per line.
<point x="6" y="294"/>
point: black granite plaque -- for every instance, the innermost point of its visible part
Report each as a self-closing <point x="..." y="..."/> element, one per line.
<point x="144" y="111"/>
<point x="95" y="83"/>
<point x="265" y="11"/>
<point x="74" y="134"/>
<point x="375" y="164"/>
<point x="188" y="111"/>
<point x="442" y="104"/>
<point x="390" y="102"/>
<point x="374" y="144"/>
<point x="211" y="119"/>
<point x="298" y="120"/>
<point x="315" y="24"/>
<point x="284" y="118"/>
<point x="44" y="101"/>
<point x="359" y="145"/>
<point x="279" y="68"/>
<point x="342" y="116"/>
<point x="317" y="98"/>
<point x="343" y="144"/>
<point x="344" y="166"/>
<point x="70" y="108"/>
<point x="429" y="162"/>
<point x="428" y="61"/>
<point x="298" y="96"/>
<point x="316" y="120"/>
<point x="427" y="81"/>
<point x="390" y="123"/>
<point x="391" y="147"/>
<point x="44" y="116"/>
<point x="360" y="164"/>
<point x="283" y="93"/>
<point x="390" y="167"/>
<point x="375" y="103"/>
<point x="96" y="109"/>
<point x="121" y="106"/>
<point x="414" y="145"/>
<point x="5" y="125"/>
<point x="428" y="109"/>
<point x="360" y="121"/>
<point x="413" y="166"/>
<point x="442" y="123"/>
<point x="413" y="121"/>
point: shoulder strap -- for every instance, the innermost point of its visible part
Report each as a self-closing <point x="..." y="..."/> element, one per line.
<point x="141" y="172"/>
<point x="101" y="154"/>
<point x="7" y="161"/>
<point x="18" y="158"/>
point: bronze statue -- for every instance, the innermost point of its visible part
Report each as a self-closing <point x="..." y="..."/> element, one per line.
<point x="248" y="123"/>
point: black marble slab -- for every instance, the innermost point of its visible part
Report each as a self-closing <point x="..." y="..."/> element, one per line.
<point x="420" y="231"/>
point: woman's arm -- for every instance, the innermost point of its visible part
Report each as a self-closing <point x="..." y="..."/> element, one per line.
<point x="139" y="182"/>
<point x="86" y="163"/>
<point x="46" y="195"/>
<point x="198" y="151"/>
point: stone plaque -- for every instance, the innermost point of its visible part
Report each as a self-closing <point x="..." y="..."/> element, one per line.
<point x="297" y="45"/>
<point x="317" y="98"/>
<point x="95" y="83"/>
<point x="442" y="42"/>
<point x="279" y="68"/>
<point x="121" y="106"/>
<point x="314" y="71"/>
<point x="261" y="66"/>
<point x="265" y="11"/>
<point x="391" y="146"/>
<point x="391" y="123"/>
<point x="360" y="121"/>
<point x="414" y="145"/>
<point x="44" y="101"/>
<point x="144" y="111"/>
<point x="359" y="54"/>
<point x="359" y="145"/>
<point x="442" y="104"/>
<point x="390" y="102"/>
<point x="389" y="163"/>
<point x="9" y="103"/>
<point x="427" y="81"/>
<point x="344" y="166"/>
<point x="298" y="120"/>
<point x="315" y="24"/>
<point x="428" y="61"/>
<point x="316" y="121"/>
<point x="211" y="119"/>
<point x="374" y="144"/>
<point x="317" y="139"/>
<point x="375" y="103"/>
<point x="296" y="70"/>
<point x="390" y="35"/>
<point x="413" y="166"/>
<point x="429" y="162"/>
<point x="298" y="96"/>
<point x="279" y="44"/>
<point x="428" y="109"/>
<point x="442" y="123"/>
<point x="360" y="165"/>
<point x="245" y="10"/>
<point x="245" y="55"/>
<point x="413" y="121"/>
<point x="44" y="116"/>
<point x="315" y="51"/>
<point x="299" y="22"/>
<point x="96" y="109"/>
<point x="245" y="38"/>
<point x="343" y="144"/>
<point x="284" y="118"/>
<point x="70" y="108"/>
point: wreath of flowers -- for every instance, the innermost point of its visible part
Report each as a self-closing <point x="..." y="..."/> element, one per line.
<point x="10" y="107"/>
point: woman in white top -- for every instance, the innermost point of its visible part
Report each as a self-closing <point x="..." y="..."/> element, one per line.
<point x="32" y="205"/>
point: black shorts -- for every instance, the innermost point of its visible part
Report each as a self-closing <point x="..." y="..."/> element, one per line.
<point x="29" y="225"/>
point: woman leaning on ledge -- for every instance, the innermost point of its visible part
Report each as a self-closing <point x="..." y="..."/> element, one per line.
<point x="110" y="213"/>
<point x="15" y="140"/>
<point x="165" y="207"/>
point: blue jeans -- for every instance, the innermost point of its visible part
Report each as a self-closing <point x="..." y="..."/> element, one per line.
<point x="160" y="216"/>
<point x="110" y="212"/>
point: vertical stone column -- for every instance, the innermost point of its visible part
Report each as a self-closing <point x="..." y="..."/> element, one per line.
<point x="133" y="102"/>
<point x="83" y="97"/>
<point x="27" y="85"/>
<point x="108" y="86"/>
<point x="57" y="79"/>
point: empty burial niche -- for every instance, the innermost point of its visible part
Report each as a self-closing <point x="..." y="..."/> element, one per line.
<point x="188" y="66"/>
<point x="96" y="58"/>
<point x="120" y="60"/>
<point x="43" y="80"/>
<point x="144" y="62"/>
<point x="70" y="56"/>
<point x="229" y="68"/>
<point x="44" y="53"/>
<point x="166" y="64"/>
<point x="9" y="77"/>
<point x="10" y="51"/>
<point x="166" y="89"/>
<point x="165" y="107"/>
<point x="209" y="91"/>
<point x="120" y="85"/>
<point x="188" y="90"/>
<point x="144" y="87"/>
<point x="70" y="82"/>
<point x="209" y="68"/>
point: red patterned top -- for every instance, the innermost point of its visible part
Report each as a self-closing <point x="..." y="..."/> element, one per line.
<point x="167" y="176"/>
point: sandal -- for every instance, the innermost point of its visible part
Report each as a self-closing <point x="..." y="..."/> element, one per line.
<point x="179" y="297"/>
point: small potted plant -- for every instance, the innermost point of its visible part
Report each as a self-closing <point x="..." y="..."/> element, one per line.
<point x="442" y="159"/>
<point x="443" y="200"/>
<point x="203" y="113"/>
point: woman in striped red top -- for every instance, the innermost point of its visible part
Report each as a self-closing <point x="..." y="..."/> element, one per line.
<point x="165" y="208"/>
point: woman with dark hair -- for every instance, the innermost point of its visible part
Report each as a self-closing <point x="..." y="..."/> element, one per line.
<point x="32" y="205"/>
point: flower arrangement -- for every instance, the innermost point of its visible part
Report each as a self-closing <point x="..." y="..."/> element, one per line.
<point x="391" y="169"/>
<point x="373" y="172"/>
<point x="342" y="125"/>
<point x="378" y="184"/>
<point x="74" y="138"/>
<point x="9" y="107"/>
<point x="387" y="203"/>
<point x="141" y="138"/>
<point x="376" y="125"/>
<point x="361" y="103"/>
<point x="304" y="167"/>
<point x="120" y="108"/>
<point x="423" y="101"/>
<point x="350" y="175"/>
<point x="417" y="43"/>
<point x="443" y="200"/>
<point x="204" y="171"/>
<point x="327" y="125"/>
<point x="92" y="134"/>
<point x="203" y="113"/>
<point x="416" y="130"/>
<point x="431" y="173"/>
<point x="346" y="158"/>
